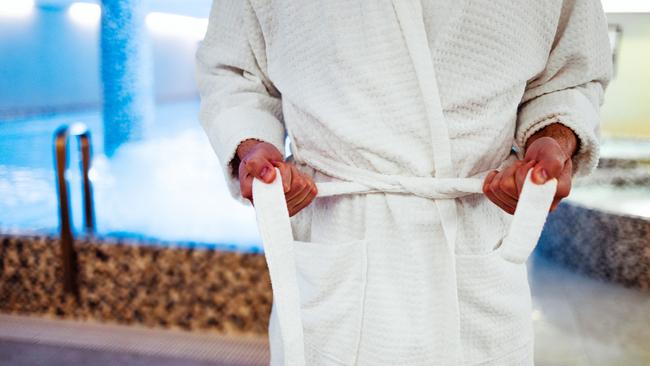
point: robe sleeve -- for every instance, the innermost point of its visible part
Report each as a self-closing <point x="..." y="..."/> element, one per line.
<point x="238" y="100"/>
<point x="570" y="88"/>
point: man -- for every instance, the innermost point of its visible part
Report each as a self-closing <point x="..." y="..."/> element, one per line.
<point x="378" y="92"/>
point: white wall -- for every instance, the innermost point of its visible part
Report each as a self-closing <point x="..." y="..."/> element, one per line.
<point x="626" y="112"/>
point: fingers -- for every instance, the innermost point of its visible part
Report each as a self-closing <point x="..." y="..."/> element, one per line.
<point x="548" y="167"/>
<point x="305" y="202"/>
<point x="564" y="180"/>
<point x="522" y="171"/>
<point x="293" y="181"/>
<point x="257" y="159"/>
<point x="302" y="193"/>
<point x="311" y="193"/>
<point x="505" y="202"/>
<point x="298" y="184"/>
<point x="301" y="201"/>
<point x="550" y="158"/>
<point x="502" y="188"/>
<point x="487" y="190"/>
<point x="286" y="173"/>
<point x="254" y="167"/>
<point x="553" y="162"/>
<point x="245" y="183"/>
<point x="259" y="167"/>
<point x="506" y="185"/>
<point x="299" y="188"/>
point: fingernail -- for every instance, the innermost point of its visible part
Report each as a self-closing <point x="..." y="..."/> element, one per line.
<point x="544" y="174"/>
<point x="265" y="173"/>
<point x="541" y="175"/>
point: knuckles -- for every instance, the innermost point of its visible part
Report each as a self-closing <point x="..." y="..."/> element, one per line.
<point x="300" y="184"/>
<point x="507" y="185"/>
<point x="495" y="185"/>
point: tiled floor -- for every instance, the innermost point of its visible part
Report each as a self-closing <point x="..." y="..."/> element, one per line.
<point x="25" y="353"/>
<point x="32" y="341"/>
<point x="581" y="321"/>
<point x="578" y="321"/>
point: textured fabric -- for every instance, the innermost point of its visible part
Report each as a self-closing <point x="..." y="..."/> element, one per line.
<point x="351" y="82"/>
<point x="326" y="283"/>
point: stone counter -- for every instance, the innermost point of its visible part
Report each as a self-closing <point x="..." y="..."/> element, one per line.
<point x="606" y="243"/>
<point x="132" y="282"/>
<point x="600" y="244"/>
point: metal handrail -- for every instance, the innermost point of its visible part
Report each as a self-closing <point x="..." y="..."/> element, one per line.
<point x="68" y="254"/>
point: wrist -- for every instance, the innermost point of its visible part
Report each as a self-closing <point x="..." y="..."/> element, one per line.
<point x="245" y="146"/>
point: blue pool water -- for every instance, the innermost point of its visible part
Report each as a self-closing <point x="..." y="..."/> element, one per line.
<point x="167" y="186"/>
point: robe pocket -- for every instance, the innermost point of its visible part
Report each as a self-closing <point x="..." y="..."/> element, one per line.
<point x="331" y="281"/>
<point x="495" y="306"/>
<point x="516" y="250"/>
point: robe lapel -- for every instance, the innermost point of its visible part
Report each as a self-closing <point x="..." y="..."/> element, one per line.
<point x="409" y="15"/>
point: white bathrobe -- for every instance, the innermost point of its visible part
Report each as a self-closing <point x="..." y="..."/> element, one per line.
<point x="377" y="92"/>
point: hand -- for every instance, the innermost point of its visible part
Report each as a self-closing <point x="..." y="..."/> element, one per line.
<point x="259" y="159"/>
<point x="547" y="159"/>
<point x="299" y="188"/>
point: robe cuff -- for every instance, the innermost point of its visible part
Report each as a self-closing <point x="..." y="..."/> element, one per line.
<point x="241" y="123"/>
<point x="572" y="109"/>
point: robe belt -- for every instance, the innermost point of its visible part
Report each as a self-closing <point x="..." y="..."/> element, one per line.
<point x="526" y="225"/>
<point x="356" y="180"/>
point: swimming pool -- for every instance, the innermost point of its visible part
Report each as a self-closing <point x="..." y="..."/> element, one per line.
<point x="167" y="186"/>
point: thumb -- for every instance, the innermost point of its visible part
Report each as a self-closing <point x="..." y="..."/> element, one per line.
<point x="547" y="168"/>
<point x="539" y="175"/>
<point x="267" y="173"/>
<point x="261" y="169"/>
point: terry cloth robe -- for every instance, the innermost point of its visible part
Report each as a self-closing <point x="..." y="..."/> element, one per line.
<point x="378" y="93"/>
